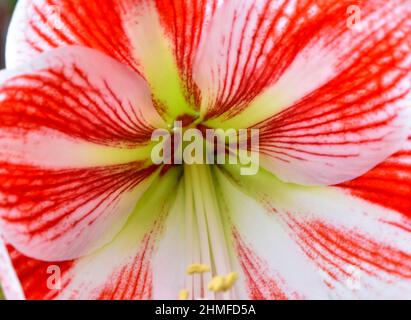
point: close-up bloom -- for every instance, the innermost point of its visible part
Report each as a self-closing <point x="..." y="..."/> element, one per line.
<point x="317" y="93"/>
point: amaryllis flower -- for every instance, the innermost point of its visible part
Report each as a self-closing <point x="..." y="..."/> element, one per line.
<point x="86" y="213"/>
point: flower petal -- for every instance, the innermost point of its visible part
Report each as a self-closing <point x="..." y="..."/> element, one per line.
<point x="313" y="149"/>
<point x="274" y="53"/>
<point x="315" y="242"/>
<point x="63" y="90"/>
<point x="122" y="270"/>
<point x="156" y="38"/>
<point x="268" y="260"/>
<point x="169" y="260"/>
<point x="8" y="278"/>
<point x="322" y="94"/>
<point x="74" y="157"/>
<point x="42" y="25"/>
<point x="389" y="184"/>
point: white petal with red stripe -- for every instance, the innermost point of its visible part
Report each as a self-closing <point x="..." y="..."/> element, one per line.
<point x="8" y="277"/>
<point x="157" y="38"/>
<point x="74" y="157"/>
<point x="316" y="242"/>
<point x="42" y="25"/>
<point x="122" y="270"/>
<point x="388" y="185"/>
<point x="330" y="102"/>
<point x="169" y="260"/>
<point x="269" y="261"/>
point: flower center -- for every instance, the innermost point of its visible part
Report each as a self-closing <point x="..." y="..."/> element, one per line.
<point x="189" y="142"/>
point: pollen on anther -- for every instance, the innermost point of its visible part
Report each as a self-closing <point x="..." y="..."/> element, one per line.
<point x="198" y="268"/>
<point x="217" y="284"/>
<point x="230" y="279"/>
<point x="221" y="283"/>
<point x="183" y="294"/>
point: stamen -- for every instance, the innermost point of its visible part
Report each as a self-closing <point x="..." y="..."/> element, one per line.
<point x="220" y="283"/>
<point x="230" y="279"/>
<point x="183" y="294"/>
<point x="217" y="284"/>
<point x="206" y="243"/>
<point x="198" y="268"/>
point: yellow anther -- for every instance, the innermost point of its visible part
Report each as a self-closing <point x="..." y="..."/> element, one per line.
<point x="198" y="268"/>
<point x="183" y="294"/>
<point x="220" y="283"/>
<point x="217" y="284"/>
<point x="230" y="279"/>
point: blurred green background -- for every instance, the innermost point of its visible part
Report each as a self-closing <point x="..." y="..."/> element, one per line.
<point x="6" y="9"/>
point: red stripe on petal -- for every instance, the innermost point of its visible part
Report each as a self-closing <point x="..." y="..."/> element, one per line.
<point x="358" y="118"/>
<point x="185" y="21"/>
<point x="42" y="25"/>
<point x="52" y="214"/>
<point x="62" y="212"/>
<point x="251" y="44"/>
<point x="261" y="284"/>
<point x="337" y="250"/>
<point x="389" y="184"/>
<point x="348" y="126"/>
<point x="34" y="275"/>
<point x="67" y="92"/>
<point x="134" y="281"/>
<point x="272" y="54"/>
<point x="126" y="30"/>
<point x="122" y="269"/>
<point x="131" y="281"/>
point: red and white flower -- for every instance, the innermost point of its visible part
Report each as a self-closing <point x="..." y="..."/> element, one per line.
<point x="81" y="96"/>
